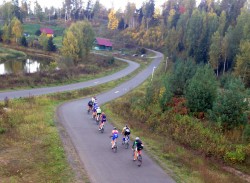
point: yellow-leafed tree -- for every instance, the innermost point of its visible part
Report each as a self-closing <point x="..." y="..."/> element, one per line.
<point x="113" y="20"/>
<point x="16" y="29"/>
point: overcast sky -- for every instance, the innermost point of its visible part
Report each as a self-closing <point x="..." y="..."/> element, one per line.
<point x="107" y="3"/>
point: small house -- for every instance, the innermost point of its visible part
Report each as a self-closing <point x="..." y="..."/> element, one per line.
<point x="49" y="32"/>
<point x="102" y="44"/>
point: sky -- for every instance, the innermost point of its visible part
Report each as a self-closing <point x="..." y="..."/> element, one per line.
<point x="107" y="3"/>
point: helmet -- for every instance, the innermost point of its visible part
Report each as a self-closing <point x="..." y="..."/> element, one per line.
<point x="114" y="128"/>
<point x="137" y="138"/>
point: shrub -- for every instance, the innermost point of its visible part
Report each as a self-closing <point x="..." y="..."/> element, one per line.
<point x="236" y="156"/>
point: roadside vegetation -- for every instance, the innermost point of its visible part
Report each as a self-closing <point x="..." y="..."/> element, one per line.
<point x="30" y="138"/>
<point x="197" y="146"/>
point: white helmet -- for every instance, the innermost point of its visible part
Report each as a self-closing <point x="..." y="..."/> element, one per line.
<point x="137" y="138"/>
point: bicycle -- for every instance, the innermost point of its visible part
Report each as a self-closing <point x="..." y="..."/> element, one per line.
<point x="138" y="157"/>
<point x="115" y="146"/>
<point x="102" y="128"/>
<point x="97" y="119"/>
<point x="125" y="141"/>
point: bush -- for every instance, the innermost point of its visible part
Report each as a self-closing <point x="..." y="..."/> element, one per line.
<point x="38" y="32"/>
<point x="236" y="156"/>
<point x="202" y="90"/>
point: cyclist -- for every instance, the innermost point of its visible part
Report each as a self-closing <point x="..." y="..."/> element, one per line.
<point x="114" y="135"/>
<point x="103" y="120"/>
<point x="93" y="99"/>
<point x="90" y="105"/>
<point x="125" y="132"/>
<point x="98" y="112"/>
<point x="94" y="110"/>
<point x="137" y="147"/>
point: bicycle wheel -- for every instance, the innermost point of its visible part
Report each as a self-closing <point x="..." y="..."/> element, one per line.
<point x="139" y="160"/>
<point x="126" y="145"/>
<point x="115" y="148"/>
<point x="102" y="129"/>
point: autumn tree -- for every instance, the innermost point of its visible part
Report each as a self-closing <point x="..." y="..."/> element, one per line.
<point x="70" y="47"/>
<point x="242" y="67"/>
<point x="78" y="40"/>
<point x="215" y="52"/>
<point x="16" y="28"/>
<point x="113" y="20"/>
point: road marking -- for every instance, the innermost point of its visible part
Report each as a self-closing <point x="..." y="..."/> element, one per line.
<point x="96" y="82"/>
<point x="117" y="92"/>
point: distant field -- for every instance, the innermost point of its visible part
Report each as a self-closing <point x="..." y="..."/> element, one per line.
<point x="58" y="31"/>
<point x="32" y="28"/>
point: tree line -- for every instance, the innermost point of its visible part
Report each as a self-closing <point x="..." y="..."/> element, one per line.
<point x="214" y="32"/>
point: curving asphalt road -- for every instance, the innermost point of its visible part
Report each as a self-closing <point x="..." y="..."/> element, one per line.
<point x="93" y="147"/>
<point x="41" y="91"/>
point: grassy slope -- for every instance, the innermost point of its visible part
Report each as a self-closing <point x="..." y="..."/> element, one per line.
<point x="30" y="139"/>
<point x="184" y="164"/>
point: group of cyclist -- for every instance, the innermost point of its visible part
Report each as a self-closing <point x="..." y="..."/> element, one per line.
<point x="97" y="113"/>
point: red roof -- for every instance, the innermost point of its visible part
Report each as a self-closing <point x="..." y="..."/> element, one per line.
<point x="103" y="41"/>
<point x="47" y="30"/>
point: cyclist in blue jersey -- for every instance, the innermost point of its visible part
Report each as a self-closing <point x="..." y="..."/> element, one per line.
<point x="103" y="120"/>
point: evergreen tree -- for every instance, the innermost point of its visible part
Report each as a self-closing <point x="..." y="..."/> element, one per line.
<point x="51" y="45"/>
<point x="23" y="41"/>
<point x="230" y="107"/>
<point x="202" y="90"/>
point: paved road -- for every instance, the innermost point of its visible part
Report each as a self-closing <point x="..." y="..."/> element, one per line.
<point x="41" y="91"/>
<point x="93" y="147"/>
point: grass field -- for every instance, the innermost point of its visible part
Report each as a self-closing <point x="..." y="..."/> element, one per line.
<point x="8" y="54"/>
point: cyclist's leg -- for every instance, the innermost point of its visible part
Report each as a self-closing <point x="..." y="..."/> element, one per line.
<point x="135" y="153"/>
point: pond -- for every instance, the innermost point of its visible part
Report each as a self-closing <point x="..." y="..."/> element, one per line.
<point x="29" y="65"/>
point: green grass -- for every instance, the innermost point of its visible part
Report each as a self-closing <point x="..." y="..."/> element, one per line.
<point x="32" y="28"/>
<point x="32" y="147"/>
<point x="178" y="160"/>
<point x="8" y="54"/>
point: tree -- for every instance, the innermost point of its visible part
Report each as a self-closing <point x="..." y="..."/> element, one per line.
<point x="113" y="21"/>
<point x="38" y="11"/>
<point x="6" y="33"/>
<point x="16" y="29"/>
<point x="225" y="51"/>
<point x="70" y="47"/>
<point x="43" y="41"/>
<point x="79" y="40"/>
<point x="51" y="45"/>
<point x="215" y="52"/>
<point x="23" y="41"/>
<point x="148" y="11"/>
<point x="183" y="71"/>
<point x="202" y="90"/>
<point x="242" y="67"/>
<point x="230" y="107"/>
<point x="7" y="12"/>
